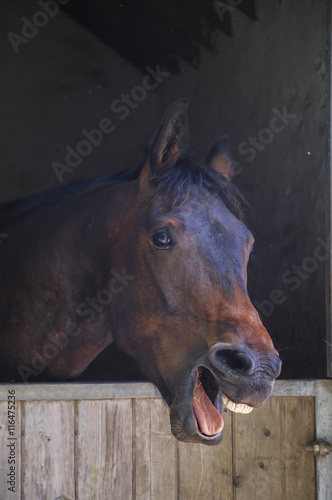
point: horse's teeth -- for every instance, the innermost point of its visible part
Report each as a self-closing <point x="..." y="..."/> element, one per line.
<point x="236" y="407"/>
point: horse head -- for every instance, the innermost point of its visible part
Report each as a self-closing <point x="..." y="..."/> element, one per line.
<point x="188" y="320"/>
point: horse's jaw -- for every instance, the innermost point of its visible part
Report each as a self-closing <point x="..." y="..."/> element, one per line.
<point x="196" y="411"/>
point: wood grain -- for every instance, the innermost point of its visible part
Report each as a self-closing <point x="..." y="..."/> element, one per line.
<point x="104" y="450"/>
<point x="206" y="472"/>
<point x="269" y="449"/>
<point x="258" y="468"/>
<point x="155" y="452"/>
<point x="48" y="450"/>
<point x="123" y="449"/>
<point x="299" y="430"/>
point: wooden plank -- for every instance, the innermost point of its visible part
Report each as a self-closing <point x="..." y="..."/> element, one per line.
<point x="104" y="450"/>
<point x="128" y="390"/>
<point x="163" y="454"/>
<point x="205" y="472"/>
<point x="258" y="468"/>
<point x="269" y="449"/>
<point x="77" y="391"/>
<point x="10" y="451"/>
<point x="155" y="452"/>
<point x="298" y="431"/>
<point x="48" y="450"/>
<point x="322" y="392"/>
<point x="262" y="460"/>
<point x="142" y="449"/>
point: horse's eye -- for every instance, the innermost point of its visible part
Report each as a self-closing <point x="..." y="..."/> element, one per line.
<point x="162" y="239"/>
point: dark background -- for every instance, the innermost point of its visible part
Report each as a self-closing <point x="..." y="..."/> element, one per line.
<point x="236" y="66"/>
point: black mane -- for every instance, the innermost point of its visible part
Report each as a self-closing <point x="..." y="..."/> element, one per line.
<point x="176" y="181"/>
<point x="188" y="172"/>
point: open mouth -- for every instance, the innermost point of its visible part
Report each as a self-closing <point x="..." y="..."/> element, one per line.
<point x="207" y="403"/>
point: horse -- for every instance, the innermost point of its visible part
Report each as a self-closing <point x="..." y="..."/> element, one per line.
<point x="154" y="261"/>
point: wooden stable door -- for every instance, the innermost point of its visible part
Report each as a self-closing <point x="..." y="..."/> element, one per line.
<point x="75" y="443"/>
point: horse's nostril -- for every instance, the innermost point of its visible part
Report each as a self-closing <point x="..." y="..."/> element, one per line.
<point x="231" y="359"/>
<point x="234" y="360"/>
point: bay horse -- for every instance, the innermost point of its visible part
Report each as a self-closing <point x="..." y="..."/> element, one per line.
<point x="155" y="263"/>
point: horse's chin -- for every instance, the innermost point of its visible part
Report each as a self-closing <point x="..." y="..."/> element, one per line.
<point x="196" y="411"/>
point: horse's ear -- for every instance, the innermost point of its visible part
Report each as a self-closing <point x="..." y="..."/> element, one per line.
<point x="220" y="157"/>
<point x="171" y="140"/>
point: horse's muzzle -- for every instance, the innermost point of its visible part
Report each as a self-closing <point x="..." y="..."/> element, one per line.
<point x="229" y="374"/>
